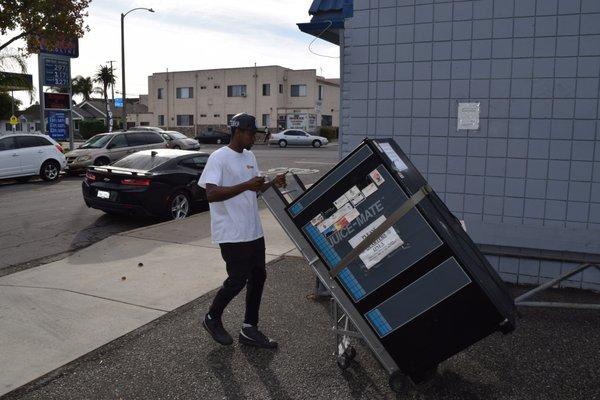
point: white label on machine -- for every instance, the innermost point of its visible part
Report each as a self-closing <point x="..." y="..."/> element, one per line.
<point x="384" y="245"/>
<point x="339" y="203"/>
<point x="376" y="177"/>
<point x="393" y="156"/>
<point x="369" y="190"/>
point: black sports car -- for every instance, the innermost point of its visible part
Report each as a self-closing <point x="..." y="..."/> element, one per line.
<point x="161" y="182"/>
<point x="213" y="137"/>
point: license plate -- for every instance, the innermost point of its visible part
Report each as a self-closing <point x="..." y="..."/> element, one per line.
<point x="103" y="194"/>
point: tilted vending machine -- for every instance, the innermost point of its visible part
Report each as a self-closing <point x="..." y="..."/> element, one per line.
<point x="405" y="274"/>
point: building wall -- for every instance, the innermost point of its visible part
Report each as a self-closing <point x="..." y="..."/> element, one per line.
<point x="210" y="104"/>
<point x="530" y="176"/>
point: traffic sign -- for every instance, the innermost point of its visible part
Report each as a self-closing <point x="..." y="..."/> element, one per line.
<point x="13" y="120"/>
<point x="119" y="102"/>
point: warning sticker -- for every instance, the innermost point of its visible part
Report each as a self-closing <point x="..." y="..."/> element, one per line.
<point x="339" y="203"/>
<point x="384" y="245"/>
<point x="376" y="177"/>
<point x="369" y="190"/>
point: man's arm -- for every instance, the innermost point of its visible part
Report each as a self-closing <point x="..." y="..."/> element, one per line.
<point x="216" y="193"/>
<point x="278" y="181"/>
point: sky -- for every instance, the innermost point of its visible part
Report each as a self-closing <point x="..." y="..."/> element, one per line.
<point x="196" y="34"/>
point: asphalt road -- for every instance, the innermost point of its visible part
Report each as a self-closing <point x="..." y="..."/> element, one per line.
<point x="42" y="222"/>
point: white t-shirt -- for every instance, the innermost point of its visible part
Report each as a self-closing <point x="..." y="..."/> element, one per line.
<point x="236" y="219"/>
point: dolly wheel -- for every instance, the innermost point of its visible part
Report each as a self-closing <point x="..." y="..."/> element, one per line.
<point x="399" y="383"/>
<point x="343" y="361"/>
<point x="350" y="353"/>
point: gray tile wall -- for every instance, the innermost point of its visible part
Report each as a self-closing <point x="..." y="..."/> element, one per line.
<point x="534" y="65"/>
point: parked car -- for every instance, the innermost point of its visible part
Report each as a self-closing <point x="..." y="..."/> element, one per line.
<point x="105" y="148"/>
<point x="146" y="128"/>
<point x="297" y="137"/>
<point x="25" y="155"/>
<point x="151" y="182"/>
<point x="214" y="137"/>
<point x="177" y="140"/>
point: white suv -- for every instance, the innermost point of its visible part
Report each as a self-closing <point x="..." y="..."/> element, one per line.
<point x="25" y="155"/>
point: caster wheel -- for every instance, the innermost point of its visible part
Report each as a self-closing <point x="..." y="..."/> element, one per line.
<point x="350" y="353"/>
<point x="399" y="383"/>
<point x="343" y="362"/>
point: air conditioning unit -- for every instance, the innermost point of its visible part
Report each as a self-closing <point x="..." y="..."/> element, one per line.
<point x="243" y="94"/>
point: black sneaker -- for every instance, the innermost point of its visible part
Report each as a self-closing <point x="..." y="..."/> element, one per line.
<point x="216" y="330"/>
<point x="251" y="336"/>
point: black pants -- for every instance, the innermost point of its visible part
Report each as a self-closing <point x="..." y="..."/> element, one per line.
<point x="245" y="263"/>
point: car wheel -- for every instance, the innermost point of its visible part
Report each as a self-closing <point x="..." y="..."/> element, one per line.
<point x="283" y="143"/>
<point x="179" y="205"/>
<point x="50" y="171"/>
<point x="316" y="143"/>
<point x="100" y="161"/>
<point x="177" y="147"/>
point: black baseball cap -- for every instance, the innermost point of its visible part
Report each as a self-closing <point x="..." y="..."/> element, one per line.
<point x="244" y="121"/>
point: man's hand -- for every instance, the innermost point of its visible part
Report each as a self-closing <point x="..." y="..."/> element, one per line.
<point x="255" y="184"/>
<point x="279" y="181"/>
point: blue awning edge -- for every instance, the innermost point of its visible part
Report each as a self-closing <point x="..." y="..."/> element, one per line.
<point x="327" y="19"/>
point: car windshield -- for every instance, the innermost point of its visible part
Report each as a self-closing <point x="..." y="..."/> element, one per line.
<point x="141" y="161"/>
<point x="177" y="135"/>
<point x="96" y="142"/>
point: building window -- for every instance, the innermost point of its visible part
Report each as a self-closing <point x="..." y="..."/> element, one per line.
<point x="298" y="91"/>
<point x="217" y="86"/>
<point x="185" y="120"/>
<point x="236" y="91"/>
<point x="145" y="123"/>
<point x="184" y="93"/>
<point x="7" y="127"/>
<point x="326" y="120"/>
<point x="38" y="126"/>
<point x="266" y="89"/>
<point x="159" y="93"/>
<point x="217" y="116"/>
<point x="320" y="92"/>
<point x="280" y="88"/>
<point x="161" y="120"/>
<point x="202" y="115"/>
<point x="266" y="119"/>
<point x="75" y="123"/>
<point x="202" y="87"/>
<point x="229" y="116"/>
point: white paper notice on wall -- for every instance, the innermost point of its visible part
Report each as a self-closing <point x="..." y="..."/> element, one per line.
<point x="468" y="116"/>
<point x="393" y="156"/>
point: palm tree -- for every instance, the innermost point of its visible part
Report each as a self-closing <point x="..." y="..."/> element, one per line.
<point x="14" y="60"/>
<point x="84" y="86"/>
<point x="106" y="77"/>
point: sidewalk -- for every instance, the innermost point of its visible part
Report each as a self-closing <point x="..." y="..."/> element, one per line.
<point x="54" y="313"/>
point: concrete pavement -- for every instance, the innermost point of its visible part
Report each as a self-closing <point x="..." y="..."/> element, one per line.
<point x="55" y="313"/>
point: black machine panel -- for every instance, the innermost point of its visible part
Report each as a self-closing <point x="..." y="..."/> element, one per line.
<point x="423" y="286"/>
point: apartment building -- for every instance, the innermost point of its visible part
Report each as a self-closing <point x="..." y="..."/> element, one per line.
<point x="191" y="101"/>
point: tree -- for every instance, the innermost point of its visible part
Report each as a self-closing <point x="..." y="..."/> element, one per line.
<point x="52" y="20"/>
<point x="6" y="106"/>
<point x="106" y="77"/>
<point x="84" y="86"/>
<point x="11" y="59"/>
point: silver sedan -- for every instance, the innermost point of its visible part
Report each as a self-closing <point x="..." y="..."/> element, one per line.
<point x="297" y="137"/>
<point x="177" y="140"/>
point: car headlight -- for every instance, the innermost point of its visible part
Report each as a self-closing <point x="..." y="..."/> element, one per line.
<point x="84" y="158"/>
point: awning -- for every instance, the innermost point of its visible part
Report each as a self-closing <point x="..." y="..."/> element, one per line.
<point x="328" y="18"/>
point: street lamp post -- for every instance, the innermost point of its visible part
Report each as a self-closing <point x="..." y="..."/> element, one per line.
<point x="124" y="115"/>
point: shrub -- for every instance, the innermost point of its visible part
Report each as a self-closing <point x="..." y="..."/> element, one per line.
<point x="329" y="132"/>
<point x="90" y="127"/>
